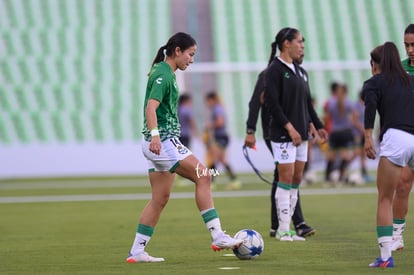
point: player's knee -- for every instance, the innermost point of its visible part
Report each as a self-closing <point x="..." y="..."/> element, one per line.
<point x="162" y="200"/>
<point x="402" y="190"/>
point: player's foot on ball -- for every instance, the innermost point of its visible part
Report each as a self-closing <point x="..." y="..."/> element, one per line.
<point x="397" y="244"/>
<point x="296" y="237"/>
<point x="383" y="264"/>
<point x="305" y="230"/>
<point x="225" y="242"/>
<point x="143" y="258"/>
<point x="284" y="236"/>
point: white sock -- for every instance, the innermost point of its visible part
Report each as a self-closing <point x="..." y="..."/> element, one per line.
<point x="385" y="247"/>
<point x="214" y="226"/>
<point x="283" y="208"/>
<point x="212" y="221"/>
<point x="139" y="243"/>
<point x="398" y="230"/>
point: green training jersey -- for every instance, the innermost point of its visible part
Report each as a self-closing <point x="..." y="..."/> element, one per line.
<point x="407" y="67"/>
<point x="162" y="86"/>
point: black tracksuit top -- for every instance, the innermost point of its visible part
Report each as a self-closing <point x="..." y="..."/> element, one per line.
<point x="287" y="97"/>
<point x="394" y="102"/>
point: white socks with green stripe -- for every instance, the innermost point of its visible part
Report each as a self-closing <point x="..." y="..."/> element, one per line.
<point x="293" y="197"/>
<point x="399" y="227"/>
<point x="142" y="237"/>
<point x="384" y="234"/>
<point x="283" y="206"/>
<point x="212" y="221"/>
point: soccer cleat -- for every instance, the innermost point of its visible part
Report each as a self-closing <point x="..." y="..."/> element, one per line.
<point x="272" y="233"/>
<point x="397" y="244"/>
<point x="305" y="230"/>
<point x="284" y="236"/>
<point x="296" y="237"/>
<point x="225" y="242"/>
<point x="383" y="264"/>
<point x="143" y="258"/>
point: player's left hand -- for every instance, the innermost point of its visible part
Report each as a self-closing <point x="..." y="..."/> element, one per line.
<point x="323" y="135"/>
<point x="369" y="148"/>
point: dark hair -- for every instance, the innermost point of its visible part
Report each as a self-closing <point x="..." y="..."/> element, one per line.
<point x="334" y="86"/>
<point x="409" y="29"/>
<point x="389" y="61"/>
<point x="180" y="39"/>
<point x="284" y="34"/>
<point x="212" y="95"/>
<point x="183" y="98"/>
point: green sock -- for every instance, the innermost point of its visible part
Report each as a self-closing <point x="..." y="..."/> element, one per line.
<point x="398" y="221"/>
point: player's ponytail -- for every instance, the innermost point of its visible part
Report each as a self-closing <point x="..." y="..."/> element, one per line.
<point x="160" y="55"/>
<point x="180" y="39"/>
<point x="272" y="54"/>
<point x="390" y="64"/>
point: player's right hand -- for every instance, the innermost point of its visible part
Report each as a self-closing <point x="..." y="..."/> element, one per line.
<point x="155" y="145"/>
<point x="250" y="141"/>
<point x="295" y="136"/>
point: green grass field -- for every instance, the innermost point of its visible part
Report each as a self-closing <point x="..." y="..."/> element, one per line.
<point x="93" y="237"/>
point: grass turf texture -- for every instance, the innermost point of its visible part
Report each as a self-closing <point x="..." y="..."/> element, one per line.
<point x="94" y="237"/>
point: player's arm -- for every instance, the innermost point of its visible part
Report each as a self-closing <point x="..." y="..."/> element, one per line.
<point x="254" y="108"/>
<point x="151" y="115"/>
<point x="370" y="97"/>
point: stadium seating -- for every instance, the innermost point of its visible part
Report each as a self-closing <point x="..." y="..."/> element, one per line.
<point x="335" y="30"/>
<point x="75" y="71"/>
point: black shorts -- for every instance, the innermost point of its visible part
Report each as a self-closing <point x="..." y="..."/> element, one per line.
<point x="222" y="141"/>
<point x="341" y="139"/>
<point x="185" y="141"/>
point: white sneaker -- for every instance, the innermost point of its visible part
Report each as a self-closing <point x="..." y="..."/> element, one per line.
<point x="284" y="236"/>
<point x="295" y="237"/>
<point x="143" y="258"/>
<point x="225" y="242"/>
<point x="397" y="244"/>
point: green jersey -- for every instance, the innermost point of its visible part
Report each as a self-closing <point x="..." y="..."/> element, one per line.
<point x="407" y="67"/>
<point x="162" y="86"/>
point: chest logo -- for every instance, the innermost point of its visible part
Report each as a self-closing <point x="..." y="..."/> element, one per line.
<point x="158" y="80"/>
<point x="287" y="75"/>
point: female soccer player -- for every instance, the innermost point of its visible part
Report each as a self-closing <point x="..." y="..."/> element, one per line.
<point x="165" y="153"/>
<point x="402" y="194"/>
<point x="257" y="105"/>
<point x="341" y="112"/>
<point x="390" y="92"/>
<point x="219" y="137"/>
<point x="287" y="98"/>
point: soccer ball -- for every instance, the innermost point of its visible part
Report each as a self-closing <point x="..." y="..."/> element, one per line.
<point x="356" y="179"/>
<point x="310" y="177"/>
<point x="252" y="245"/>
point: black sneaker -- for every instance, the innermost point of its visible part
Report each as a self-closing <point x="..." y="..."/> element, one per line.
<point x="272" y="233"/>
<point x="304" y="230"/>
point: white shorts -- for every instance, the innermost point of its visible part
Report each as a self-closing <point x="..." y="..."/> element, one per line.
<point x="172" y="151"/>
<point x="398" y="147"/>
<point x="286" y="152"/>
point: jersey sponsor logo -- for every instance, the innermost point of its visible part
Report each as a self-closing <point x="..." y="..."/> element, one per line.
<point x="158" y="80"/>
